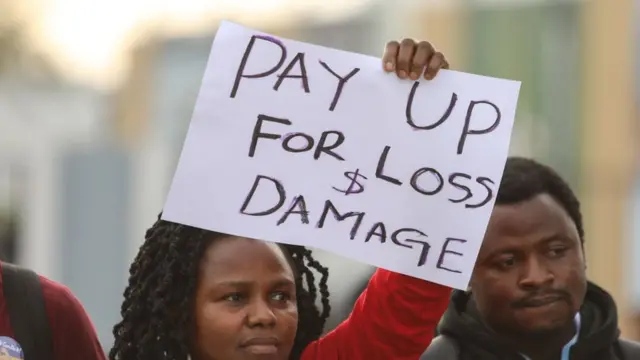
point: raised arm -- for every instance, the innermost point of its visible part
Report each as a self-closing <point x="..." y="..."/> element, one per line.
<point x="394" y="318"/>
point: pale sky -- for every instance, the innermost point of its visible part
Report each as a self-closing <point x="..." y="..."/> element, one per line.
<point x="88" y="38"/>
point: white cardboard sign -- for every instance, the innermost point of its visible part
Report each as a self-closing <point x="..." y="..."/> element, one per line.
<point x="301" y="144"/>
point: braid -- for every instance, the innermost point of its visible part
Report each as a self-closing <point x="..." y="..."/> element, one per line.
<point x="157" y="311"/>
<point x="162" y="282"/>
<point x="310" y="320"/>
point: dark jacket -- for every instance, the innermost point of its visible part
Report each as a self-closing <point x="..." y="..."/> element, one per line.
<point x="467" y="338"/>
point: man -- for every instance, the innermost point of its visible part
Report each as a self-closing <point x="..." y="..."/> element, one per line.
<point x="42" y="320"/>
<point x="529" y="297"/>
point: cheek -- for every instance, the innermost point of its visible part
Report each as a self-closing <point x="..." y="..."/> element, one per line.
<point x="570" y="269"/>
<point x="493" y="292"/>
<point x="288" y="322"/>
<point x="217" y="329"/>
<point x="573" y="278"/>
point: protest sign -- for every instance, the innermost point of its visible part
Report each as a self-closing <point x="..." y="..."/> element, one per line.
<point x="301" y="144"/>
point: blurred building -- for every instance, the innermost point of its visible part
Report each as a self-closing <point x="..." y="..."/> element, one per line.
<point x="634" y="212"/>
<point x="67" y="198"/>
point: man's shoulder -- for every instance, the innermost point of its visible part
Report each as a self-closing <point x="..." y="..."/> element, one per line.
<point x="627" y="342"/>
<point x="442" y="348"/>
<point x="630" y="349"/>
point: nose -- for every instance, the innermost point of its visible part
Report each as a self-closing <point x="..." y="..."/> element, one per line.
<point x="260" y="314"/>
<point x="535" y="274"/>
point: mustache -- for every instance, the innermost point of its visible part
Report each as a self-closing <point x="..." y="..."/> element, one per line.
<point x="535" y="299"/>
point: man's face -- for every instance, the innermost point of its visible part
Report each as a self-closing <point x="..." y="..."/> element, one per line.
<point x="530" y="275"/>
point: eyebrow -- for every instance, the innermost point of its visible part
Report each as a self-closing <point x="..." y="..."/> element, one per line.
<point x="513" y="248"/>
<point x="244" y="284"/>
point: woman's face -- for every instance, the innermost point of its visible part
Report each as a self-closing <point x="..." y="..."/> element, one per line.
<point x="245" y="305"/>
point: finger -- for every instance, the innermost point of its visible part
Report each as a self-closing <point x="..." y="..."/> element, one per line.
<point x="405" y="58"/>
<point x="424" y="52"/>
<point x="435" y="64"/>
<point x="390" y="56"/>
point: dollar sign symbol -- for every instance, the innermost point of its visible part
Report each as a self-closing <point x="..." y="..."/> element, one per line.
<point x="355" y="187"/>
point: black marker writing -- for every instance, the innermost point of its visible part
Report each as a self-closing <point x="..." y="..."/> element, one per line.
<point x="282" y="195"/>
<point x="245" y="58"/>
<point x="434" y="173"/>
<point x="355" y="187"/>
<point x="379" y="230"/>
<point x="380" y="168"/>
<point x="329" y="207"/>
<point x="257" y="131"/>
<point x="443" y="118"/>
<point x="301" y="205"/>
<point x="297" y="60"/>
<point x="407" y="238"/>
<point x="307" y="142"/>
<point x="456" y="180"/>
<point x="453" y="180"/>
<point x="424" y="253"/>
<point x="468" y="190"/>
<point x="467" y="122"/>
<point x="328" y="149"/>
<point x="297" y="63"/>
<point x="484" y="181"/>
<point x="445" y="251"/>
<point x="466" y="131"/>
<point x="329" y="140"/>
<point x="341" y="82"/>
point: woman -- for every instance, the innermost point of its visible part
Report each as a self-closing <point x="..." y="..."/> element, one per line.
<point x="198" y="294"/>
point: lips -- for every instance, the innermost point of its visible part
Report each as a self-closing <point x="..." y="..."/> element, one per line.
<point x="261" y="345"/>
<point x="541" y="301"/>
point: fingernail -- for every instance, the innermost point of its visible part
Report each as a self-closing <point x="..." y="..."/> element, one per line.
<point x="388" y="66"/>
<point x="402" y="74"/>
<point x="414" y="76"/>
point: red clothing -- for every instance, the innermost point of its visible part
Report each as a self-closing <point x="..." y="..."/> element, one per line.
<point x="395" y="318"/>
<point x="73" y="334"/>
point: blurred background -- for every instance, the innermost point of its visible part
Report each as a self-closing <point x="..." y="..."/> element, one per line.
<point x="96" y="97"/>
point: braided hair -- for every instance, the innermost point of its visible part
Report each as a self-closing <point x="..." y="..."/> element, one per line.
<point x="157" y="311"/>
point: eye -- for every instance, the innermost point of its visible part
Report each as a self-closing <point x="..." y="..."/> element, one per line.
<point x="233" y="297"/>
<point x="506" y="262"/>
<point x="509" y="262"/>
<point x="280" y="296"/>
<point x="557" y="252"/>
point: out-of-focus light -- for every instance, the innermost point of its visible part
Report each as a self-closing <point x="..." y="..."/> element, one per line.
<point x="86" y="39"/>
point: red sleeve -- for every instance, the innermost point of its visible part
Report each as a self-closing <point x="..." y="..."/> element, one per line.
<point x="74" y="337"/>
<point x="394" y="318"/>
